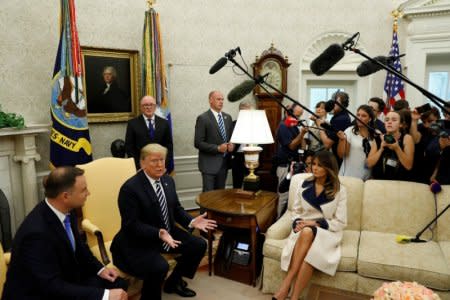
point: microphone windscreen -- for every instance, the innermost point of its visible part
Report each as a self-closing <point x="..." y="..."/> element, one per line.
<point x="240" y="91"/>
<point x="435" y="187"/>
<point x="368" y="67"/>
<point x="218" y="65"/>
<point x="329" y="105"/>
<point x="327" y="59"/>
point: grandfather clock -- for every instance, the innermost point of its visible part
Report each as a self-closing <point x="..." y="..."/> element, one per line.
<point x="274" y="64"/>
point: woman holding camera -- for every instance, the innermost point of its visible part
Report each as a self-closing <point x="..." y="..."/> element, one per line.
<point x="319" y="217"/>
<point x="391" y="156"/>
<point x="354" y="144"/>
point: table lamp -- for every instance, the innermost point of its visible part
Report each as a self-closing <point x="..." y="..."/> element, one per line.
<point x="252" y="129"/>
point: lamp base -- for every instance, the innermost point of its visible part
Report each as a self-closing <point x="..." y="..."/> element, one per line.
<point x="251" y="184"/>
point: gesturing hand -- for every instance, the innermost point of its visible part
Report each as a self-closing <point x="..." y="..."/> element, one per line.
<point x="204" y="224"/>
<point x="167" y="238"/>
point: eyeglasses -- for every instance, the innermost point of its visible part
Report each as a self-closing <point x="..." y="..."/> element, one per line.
<point x="149" y="105"/>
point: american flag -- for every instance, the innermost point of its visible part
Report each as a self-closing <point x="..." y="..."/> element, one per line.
<point x="393" y="86"/>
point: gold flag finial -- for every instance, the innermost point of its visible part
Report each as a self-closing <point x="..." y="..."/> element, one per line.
<point x="150" y="3"/>
<point x="397" y="14"/>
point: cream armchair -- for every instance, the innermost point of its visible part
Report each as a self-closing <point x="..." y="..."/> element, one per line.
<point x="101" y="216"/>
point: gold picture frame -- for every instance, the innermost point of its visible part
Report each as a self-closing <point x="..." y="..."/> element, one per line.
<point x="111" y="80"/>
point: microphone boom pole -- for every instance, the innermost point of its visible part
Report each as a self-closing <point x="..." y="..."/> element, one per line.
<point x="260" y="81"/>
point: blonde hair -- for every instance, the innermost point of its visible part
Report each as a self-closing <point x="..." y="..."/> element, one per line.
<point x="153" y="148"/>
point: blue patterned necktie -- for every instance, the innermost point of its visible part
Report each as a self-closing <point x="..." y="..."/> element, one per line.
<point x="69" y="232"/>
<point x="164" y="211"/>
<point x="151" y="129"/>
<point x="222" y="128"/>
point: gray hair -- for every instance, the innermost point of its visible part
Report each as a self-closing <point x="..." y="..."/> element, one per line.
<point x="153" y="148"/>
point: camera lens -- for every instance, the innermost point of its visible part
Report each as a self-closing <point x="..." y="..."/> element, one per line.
<point x="389" y="139"/>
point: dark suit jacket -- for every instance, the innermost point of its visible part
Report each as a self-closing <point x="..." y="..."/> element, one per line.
<point x="207" y="138"/>
<point x="142" y="219"/>
<point x="137" y="136"/>
<point x="43" y="264"/>
<point x="113" y="101"/>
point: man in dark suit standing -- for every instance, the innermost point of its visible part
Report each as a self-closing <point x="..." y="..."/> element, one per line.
<point x="49" y="261"/>
<point x="145" y="129"/>
<point x="150" y="212"/>
<point x="212" y="135"/>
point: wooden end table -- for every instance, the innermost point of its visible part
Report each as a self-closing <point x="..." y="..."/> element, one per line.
<point x="233" y="210"/>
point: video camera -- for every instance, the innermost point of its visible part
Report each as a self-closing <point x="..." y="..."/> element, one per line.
<point x="441" y="128"/>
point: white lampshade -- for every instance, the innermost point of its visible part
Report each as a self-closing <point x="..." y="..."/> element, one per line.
<point x="252" y="127"/>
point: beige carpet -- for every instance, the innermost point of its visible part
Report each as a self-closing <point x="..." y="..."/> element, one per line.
<point x="216" y="287"/>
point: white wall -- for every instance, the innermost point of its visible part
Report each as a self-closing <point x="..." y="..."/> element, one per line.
<point x="195" y="34"/>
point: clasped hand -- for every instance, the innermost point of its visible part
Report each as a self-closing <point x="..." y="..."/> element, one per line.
<point x="300" y="224"/>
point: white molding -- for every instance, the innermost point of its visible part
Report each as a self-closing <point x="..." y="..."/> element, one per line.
<point x="428" y="34"/>
<point x="425" y="8"/>
<point x="348" y="63"/>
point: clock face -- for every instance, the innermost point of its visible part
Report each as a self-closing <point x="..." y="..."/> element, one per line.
<point x="273" y="68"/>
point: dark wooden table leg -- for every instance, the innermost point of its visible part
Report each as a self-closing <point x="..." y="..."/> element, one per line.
<point x="253" y="241"/>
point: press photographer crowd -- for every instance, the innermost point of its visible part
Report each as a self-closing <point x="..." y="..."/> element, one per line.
<point x="403" y="143"/>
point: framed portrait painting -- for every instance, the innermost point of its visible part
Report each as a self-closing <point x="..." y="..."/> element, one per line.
<point x="111" y="80"/>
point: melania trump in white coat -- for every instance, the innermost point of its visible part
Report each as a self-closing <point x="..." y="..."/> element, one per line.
<point x="320" y="217"/>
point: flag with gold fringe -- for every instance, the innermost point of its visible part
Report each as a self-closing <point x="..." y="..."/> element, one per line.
<point x="393" y="86"/>
<point x="154" y="81"/>
<point x="69" y="139"/>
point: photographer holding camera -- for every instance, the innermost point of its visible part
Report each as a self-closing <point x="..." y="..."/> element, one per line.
<point x="391" y="156"/>
<point x="422" y="134"/>
<point x="438" y="150"/>
<point x="303" y="165"/>
<point x="290" y="139"/>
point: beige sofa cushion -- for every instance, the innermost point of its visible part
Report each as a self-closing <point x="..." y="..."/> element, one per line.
<point x="398" y="207"/>
<point x="445" y="247"/>
<point x="355" y="189"/>
<point x="443" y="226"/>
<point x="380" y="256"/>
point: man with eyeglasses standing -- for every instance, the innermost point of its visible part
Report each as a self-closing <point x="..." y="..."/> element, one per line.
<point x="145" y="129"/>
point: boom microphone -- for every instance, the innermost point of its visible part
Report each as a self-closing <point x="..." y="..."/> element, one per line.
<point x="327" y="59"/>
<point x="368" y="67"/>
<point x="218" y="65"/>
<point x="223" y="60"/>
<point x="241" y="90"/>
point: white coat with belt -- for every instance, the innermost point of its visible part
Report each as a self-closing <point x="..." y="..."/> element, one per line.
<point x="325" y="251"/>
